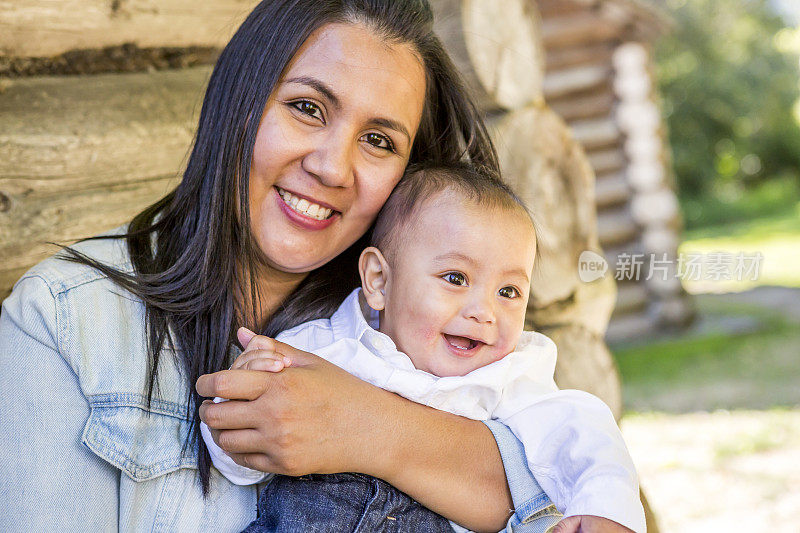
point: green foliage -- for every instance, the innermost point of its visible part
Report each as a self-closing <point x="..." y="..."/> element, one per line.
<point x="728" y="74"/>
<point x="716" y="368"/>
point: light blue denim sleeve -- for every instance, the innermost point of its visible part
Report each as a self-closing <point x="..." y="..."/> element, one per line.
<point x="533" y="510"/>
<point x="43" y="417"/>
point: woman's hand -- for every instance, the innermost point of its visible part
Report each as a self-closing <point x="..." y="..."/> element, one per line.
<point x="311" y="417"/>
<point x="314" y="417"/>
<point x="589" y="524"/>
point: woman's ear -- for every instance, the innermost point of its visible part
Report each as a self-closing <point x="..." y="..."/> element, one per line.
<point x="374" y="271"/>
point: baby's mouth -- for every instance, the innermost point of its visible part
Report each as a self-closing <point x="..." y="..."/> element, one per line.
<point x="464" y="344"/>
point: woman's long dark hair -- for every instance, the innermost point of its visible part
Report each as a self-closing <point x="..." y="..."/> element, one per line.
<point x="191" y="250"/>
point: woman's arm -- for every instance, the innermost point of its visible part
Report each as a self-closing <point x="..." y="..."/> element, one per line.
<point x="48" y="479"/>
<point x="315" y="417"/>
<point x="449" y="463"/>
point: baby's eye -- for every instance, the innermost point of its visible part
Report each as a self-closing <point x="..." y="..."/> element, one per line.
<point x="455" y="278"/>
<point x="379" y="141"/>
<point x="308" y="108"/>
<point x="508" y="292"/>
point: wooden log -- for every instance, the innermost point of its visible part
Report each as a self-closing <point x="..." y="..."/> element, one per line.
<point x="631" y="57"/>
<point x="590" y="306"/>
<point x="616" y="226"/>
<point x="646" y="175"/>
<point x="676" y="310"/>
<point x="611" y="189"/>
<point x="660" y="239"/>
<point x="665" y="284"/>
<point x="550" y="8"/>
<point x="594" y="133"/>
<point x="497" y="49"/>
<point x="644" y="147"/>
<point x="655" y="207"/>
<point x="579" y="55"/>
<point x="632" y="296"/>
<point x="615" y="254"/>
<point x="579" y="28"/>
<point x="635" y="87"/>
<point x="585" y="363"/>
<point x="635" y="115"/>
<point x="624" y="328"/>
<point x="607" y="161"/>
<point x="651" y="524"/>
<point x="80" y="155"/>
<point x="578" y="107"/>
<point x="575" y="80"/>
<point x="43" y="28"/>
<point x="120" y="58"/>
<point x="550" y="172"/>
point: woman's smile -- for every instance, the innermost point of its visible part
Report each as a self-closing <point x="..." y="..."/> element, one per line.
<point x="304" y="212"/>
<point x="305" y="206"/>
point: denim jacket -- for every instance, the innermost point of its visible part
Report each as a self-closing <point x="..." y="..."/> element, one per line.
<point x="79" y="447"/>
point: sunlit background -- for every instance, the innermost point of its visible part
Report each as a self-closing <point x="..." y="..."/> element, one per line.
<point x="712" y="414"/>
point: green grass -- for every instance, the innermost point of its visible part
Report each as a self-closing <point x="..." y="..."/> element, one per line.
<point x="715" y="370"/>
<point x="771" y="437"/>
<point x="774" y="196"/>
<point x="776" y="237"/>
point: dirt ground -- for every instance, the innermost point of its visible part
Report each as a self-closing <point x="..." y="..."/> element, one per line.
<point x="722" y="471"/>
<point x="718" y="470"/>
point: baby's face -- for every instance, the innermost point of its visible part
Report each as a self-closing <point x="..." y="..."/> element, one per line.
<point x="458" y="285"/>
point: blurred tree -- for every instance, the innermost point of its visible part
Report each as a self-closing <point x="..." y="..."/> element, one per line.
<point x="728" y="74"/>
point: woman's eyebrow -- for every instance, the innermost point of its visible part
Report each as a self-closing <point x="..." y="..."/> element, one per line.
<point x="392" y="125"/>
<point x="318" y="86"/>
<point x="327" y="92"/>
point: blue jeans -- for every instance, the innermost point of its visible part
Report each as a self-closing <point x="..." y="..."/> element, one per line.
<point x="331" y="503"/>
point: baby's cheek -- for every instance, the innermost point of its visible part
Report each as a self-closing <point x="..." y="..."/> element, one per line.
<point x="424" y="324"/>
<point x="502" y="350"/>
<point x="428" y="333"/>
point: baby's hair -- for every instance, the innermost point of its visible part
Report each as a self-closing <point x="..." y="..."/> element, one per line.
<point x="422" y="182"/>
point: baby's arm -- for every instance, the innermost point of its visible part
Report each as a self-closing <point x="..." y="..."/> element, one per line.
<point x="576" y="452"/>
<point x="259" y="354"/>
<point x="572" y="444"/>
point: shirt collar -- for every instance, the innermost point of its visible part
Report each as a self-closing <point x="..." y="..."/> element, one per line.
<point x="348" y="321"/>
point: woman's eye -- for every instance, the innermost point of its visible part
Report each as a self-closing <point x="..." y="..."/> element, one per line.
<point x="508" y="292"/>
<point x="309" y="108"/>
<point x="455" y="278"/>
<point x="379" y="141"/>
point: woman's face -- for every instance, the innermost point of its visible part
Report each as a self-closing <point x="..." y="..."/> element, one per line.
<point x="333" y="142"/>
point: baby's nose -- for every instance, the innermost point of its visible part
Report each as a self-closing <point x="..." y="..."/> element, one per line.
<point x="481" y="310"/>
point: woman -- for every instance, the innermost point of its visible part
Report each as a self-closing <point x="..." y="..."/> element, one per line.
<point x="310" y="117"/>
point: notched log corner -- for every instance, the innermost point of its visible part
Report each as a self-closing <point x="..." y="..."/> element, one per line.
<point x="5" y="202"/>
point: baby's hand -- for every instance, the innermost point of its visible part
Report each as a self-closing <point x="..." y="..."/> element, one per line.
<point x="260" y="353"/>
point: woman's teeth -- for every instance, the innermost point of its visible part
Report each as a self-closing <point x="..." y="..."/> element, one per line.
<point x="304" y="207"/>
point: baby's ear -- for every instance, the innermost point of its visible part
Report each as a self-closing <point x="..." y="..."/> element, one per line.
<point x="374" y="271"/>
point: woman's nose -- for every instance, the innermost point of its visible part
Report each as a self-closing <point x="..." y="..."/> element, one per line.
<point x="331" y="161"/>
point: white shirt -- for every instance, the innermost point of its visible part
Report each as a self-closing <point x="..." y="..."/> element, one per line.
<point x="572" y="443"/>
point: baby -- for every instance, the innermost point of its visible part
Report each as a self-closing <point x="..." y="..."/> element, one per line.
<point x="439" y="320"/>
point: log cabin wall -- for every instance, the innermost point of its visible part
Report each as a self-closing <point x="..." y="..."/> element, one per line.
<point x="599" y="79"/>
<point x="99" y="101"/>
